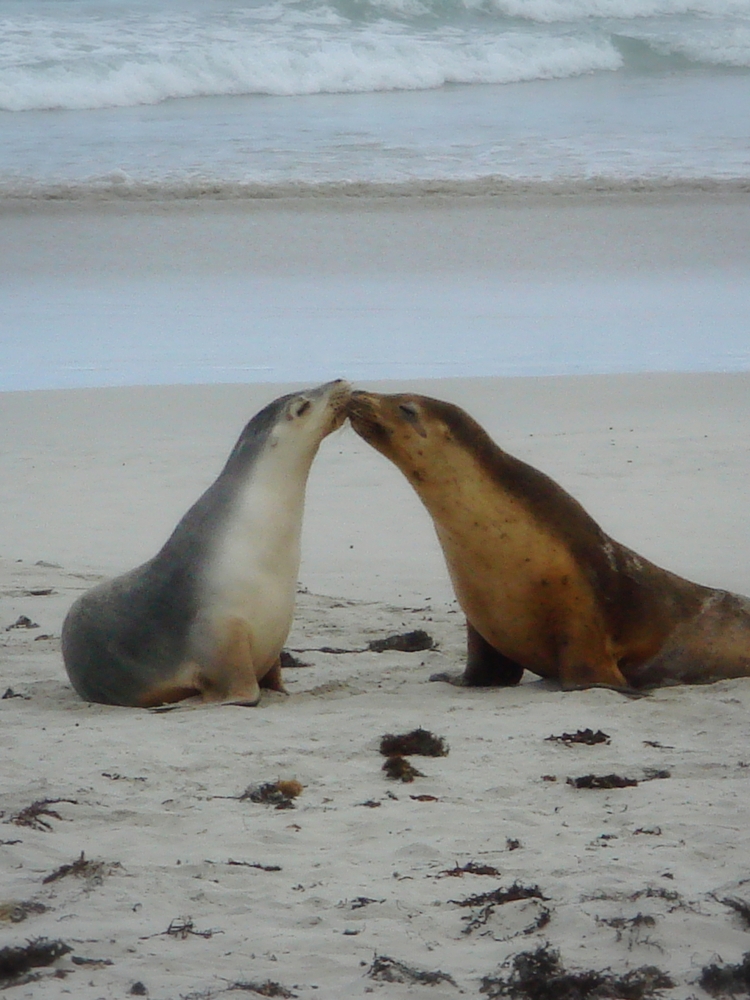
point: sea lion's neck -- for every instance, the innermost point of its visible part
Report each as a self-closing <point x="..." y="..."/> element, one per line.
<point x="268" y="503"/>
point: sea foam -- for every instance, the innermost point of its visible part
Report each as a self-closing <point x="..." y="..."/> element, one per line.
<point x="366" y="61"/>
<point x="81" y="55"/>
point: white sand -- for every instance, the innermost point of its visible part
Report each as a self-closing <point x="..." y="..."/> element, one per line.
<point x="94" y="480"/>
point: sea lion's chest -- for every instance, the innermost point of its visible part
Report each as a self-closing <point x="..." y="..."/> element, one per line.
<point x="252" y="567"/>
<point x="513" y="577"/>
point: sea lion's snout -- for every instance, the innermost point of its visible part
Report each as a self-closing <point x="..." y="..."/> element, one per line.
<point x="337" y="387"/>
<point x="384" y="416"/>
<point x="338" y="394"/>
<point x="328" y="402"/>
<point x="363" y="413"/>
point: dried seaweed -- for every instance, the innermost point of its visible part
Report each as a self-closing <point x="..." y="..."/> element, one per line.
<point x="739" y="906"/>
<point x="94" y="871"/>
<point x="92" y="963"/>
<point x="361" y="901"/>
<point x="267" y="989"/>
<point x="470" y="868"/>
<point x="253" y="864"/>
<point x="399" y="768"/>
<point x="405" y="642"/>
<point x="632" y="927"/>
<point x="727" y="980"/>
<point x="288" y="661"/>
<point x="602" y="781"/>
<point x="539" y="975"/>
<point x="585" y="736"/>
<point x="418" y="741"/>
<point x="501" y="896"/>
<point x="280" y="794"/>
<point x="31" y="816"/>
<point x="16" y="911"/>
<point x="183" y="927"/>
<point x="36" y="954"/>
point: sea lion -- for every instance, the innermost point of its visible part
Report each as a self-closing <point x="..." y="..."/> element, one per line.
<point x="209" y="614"/>
<point x="542" y="586"/>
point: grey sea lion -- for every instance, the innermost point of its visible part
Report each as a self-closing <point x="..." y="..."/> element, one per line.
<point x="209" y="614"/>
<point x="542" y="586"/>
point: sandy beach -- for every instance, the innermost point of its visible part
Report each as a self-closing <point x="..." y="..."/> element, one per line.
<point x="175" y="886"/>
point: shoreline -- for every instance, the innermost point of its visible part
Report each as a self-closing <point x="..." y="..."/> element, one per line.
<point x="206" y="192"/>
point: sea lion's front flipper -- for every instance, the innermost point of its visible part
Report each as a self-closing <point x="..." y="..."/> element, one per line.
<point x="272" y="680"/>
<point x="485" y="666"/>
<point x="230" y="677"/>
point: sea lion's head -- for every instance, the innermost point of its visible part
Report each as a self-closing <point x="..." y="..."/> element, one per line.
<point x="292" y="425"/>
<point x="314" y="412"/>
<point x="426" y="438"/>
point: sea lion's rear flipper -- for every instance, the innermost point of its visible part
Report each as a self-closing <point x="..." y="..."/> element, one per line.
<point x="485" y="666"/>
<point x="577" y="673"/>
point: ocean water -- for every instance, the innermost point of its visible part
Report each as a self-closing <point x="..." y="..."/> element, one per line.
<point x="115" y="95"/>
<point x="139" y="99"/>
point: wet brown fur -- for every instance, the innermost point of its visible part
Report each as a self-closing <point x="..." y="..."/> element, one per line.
<point x="542" y="586"/>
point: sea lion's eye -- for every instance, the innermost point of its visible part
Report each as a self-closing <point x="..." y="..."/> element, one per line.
<point x="303" y="407"/>
<point x="410" y="413"/>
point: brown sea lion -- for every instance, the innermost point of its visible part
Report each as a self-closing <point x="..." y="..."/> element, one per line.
<point x="542" y="586"/>
<point x="209" y="614"/>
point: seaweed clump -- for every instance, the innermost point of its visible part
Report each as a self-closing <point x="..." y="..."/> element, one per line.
<point x="487" y="901"/>
<point x="14" y="962"/>
<point x="405" y="642"/>
<point x="399" y="768"/>
<point x="93" y="871"/>
<point x="585" y="736"/>
<point x="32" y="815"/>
<point x="15" y="911"/>
<point x="540" y="975"/>
<point x="470" y="868"/>
<point x="727" y="980"/>
<point x="418" y="741"/>
<point x="502" y="896"/>
<point x="741" y="908"/>
<point x="602" y="781"/>
<point x="280" y="794"/>
<point x="266" y="989"/>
